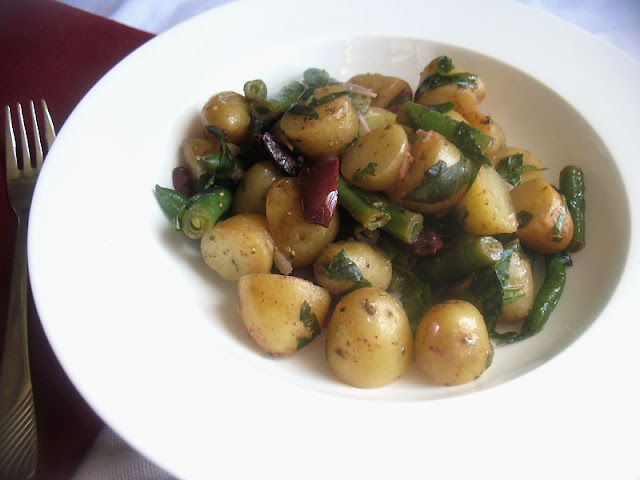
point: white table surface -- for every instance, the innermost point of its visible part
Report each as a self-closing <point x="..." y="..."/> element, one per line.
<point x="614" y="21"/>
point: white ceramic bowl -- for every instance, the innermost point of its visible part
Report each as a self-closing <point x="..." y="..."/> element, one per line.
<point x="152" y="338"/>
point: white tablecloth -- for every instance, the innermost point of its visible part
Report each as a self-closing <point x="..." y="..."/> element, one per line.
<point x="615" y="21"/>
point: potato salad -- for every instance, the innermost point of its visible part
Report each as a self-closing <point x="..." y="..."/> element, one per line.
<point x="395" y="223"/>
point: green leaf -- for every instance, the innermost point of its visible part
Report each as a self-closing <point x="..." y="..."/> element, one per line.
<point x="370" y="169"/>
<point x="303" y="111"/>
<point x="460" y="79"/>
<point x="445" y="65"/>
<point x="441" y="182"/>
<point x="415" y="296"/>
<point x="309" y="320"/>
<point x="317" y="77"/>
<point x="512" y="167"/>
<point x="524" y="218"/>
<point x="464" y="139"/>
<point x="343" y="268"/>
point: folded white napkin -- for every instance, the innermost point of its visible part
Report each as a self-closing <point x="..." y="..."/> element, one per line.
<point x="615" y="21"/>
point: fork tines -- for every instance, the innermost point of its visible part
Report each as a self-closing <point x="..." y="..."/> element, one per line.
<point x="24" y="160"/>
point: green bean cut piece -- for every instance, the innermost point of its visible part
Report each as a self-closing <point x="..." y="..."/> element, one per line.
<point x="352" y="200"/>
<point x="202" y="211"/>
<point x="573" y="189"/>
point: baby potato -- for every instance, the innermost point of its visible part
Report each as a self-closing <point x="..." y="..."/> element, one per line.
<point x="377" y="117"/>
<point x="237" y="246"/>
<point x="488" y="125"/>
<point x="282" y="314"/>
<point x="251" y="194"/>
<point x="300" y="242"/>
<point x="534" y="166"/>
<point x="387" y="88"/>
<point x="546" y="224"/>
<point x="335" y="125"/>
<point x="230" y="112"/>
<point x="520" y="281"/>
<point x="452" y="344"/>
<point x="486" y="208"/>
<point x="373" y="264"/>
<point x="429" y="149"/>
<point x="369" y="342"/>
<point x="373" y="162"/>
<point x="464" y="99"/>
<point x="195" y="148"/>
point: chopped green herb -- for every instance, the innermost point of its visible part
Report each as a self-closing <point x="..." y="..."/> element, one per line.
<point x="310" y="321"/>
<point x="365" y="172"/>
<point x="343" y="268"/>
<point x="512" y="167"/>
<point x="524" y="218"/>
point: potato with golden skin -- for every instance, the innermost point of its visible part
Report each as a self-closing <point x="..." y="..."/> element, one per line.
<point x="486" y="208"/>
<point x="372" y="262"/>
<point x="427" y="150"/>
<point x="535" y="168"/>
<point x="386" y="88"/>
<point x="334" y="126"/>
<point x="546" y="222"/>
<point x="282" y="314"/>
<point x="465" y="99"/>
<point x="369" y="341"/>
<point x="519" y="281"/>
<point x="195" y="148"/>
<point x="230" y="112"/>
<point x="251" y="194"/>
<point x="299" y="241"/>
<point x="452" y="345"/>
<point x="373" y="162"/>
<point x="237" y="246"/>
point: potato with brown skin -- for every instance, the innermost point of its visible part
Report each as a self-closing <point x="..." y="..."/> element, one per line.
<point x="486" y="208"/>
<point x="282" y="314"/>
<point x="238" y="246"/>
<point x="372" y="262"/>
<point x="369" y="341"/>
<point x="299" y="241"/>
<point x="546" y="224"/>
<point x="251" y="194"/>
<point x="230" y="112"/>
<point x="452" y="344"/>
<point x="374" y="160"/>
<point x="335" y="126"/>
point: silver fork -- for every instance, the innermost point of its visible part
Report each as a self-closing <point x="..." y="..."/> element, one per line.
<point x="18" y="436"/>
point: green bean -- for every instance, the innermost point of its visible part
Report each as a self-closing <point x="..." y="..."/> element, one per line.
<point x="573" y="189"/>
<point x="458" y="259"/>
<point x="404" y="225"/>
<point x="202" y="211"/>
<point x="368" y="215"/>
<point x="419" y="117"/>
<point x="548" y="296"/>
<point x="255" y="90"/>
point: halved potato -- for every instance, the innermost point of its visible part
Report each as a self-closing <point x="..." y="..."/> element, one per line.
<point x="282" y="314"/>
<point x="486" y="208"/>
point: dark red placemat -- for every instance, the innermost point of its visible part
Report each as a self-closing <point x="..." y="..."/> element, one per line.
<point x="52" y="51"/>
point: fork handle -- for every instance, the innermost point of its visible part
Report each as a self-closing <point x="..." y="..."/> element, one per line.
<point x="15" y="375"/>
